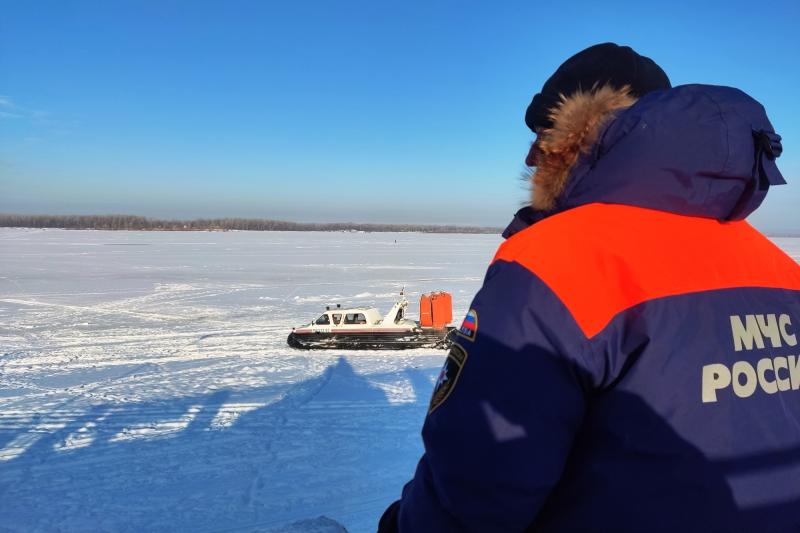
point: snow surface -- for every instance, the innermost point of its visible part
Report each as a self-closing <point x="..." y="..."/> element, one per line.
<point x="146" y="384"/>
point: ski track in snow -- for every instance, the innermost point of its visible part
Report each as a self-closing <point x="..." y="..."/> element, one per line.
<point x="146" y="385"/>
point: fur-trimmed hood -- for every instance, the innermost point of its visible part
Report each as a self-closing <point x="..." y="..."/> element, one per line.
<point x="577" y="120"/>
<point x="696" y="150"/>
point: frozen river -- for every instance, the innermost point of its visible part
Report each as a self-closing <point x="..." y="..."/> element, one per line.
<point x="146" y="384"/>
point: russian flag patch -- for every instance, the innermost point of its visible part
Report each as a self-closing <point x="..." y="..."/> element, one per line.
<point x="470" y="325"/>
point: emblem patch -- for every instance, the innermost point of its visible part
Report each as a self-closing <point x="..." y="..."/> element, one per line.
<point x="448" y="376"/>
<point x="469" y="327"/>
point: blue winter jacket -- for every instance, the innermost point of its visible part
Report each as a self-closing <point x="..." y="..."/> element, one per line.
<point x="631" y="362"/>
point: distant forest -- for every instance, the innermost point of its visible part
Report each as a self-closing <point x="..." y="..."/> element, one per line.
<point x="136" y="223"/>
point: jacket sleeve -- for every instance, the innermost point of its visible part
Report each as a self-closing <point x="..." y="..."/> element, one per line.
<point x="498" y="434"/>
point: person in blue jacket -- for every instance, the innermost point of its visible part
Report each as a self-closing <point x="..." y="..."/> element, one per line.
<point x="631" y="362"/>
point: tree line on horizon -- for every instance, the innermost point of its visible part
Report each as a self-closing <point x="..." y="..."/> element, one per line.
<point x="138" y="223"/>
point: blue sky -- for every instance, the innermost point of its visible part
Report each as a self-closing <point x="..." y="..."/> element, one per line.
<point x="337" y="111"/>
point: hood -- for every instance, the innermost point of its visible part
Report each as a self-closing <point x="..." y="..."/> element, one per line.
<point x="696" y="150"/>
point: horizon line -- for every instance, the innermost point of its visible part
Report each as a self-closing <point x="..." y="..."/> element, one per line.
<point x="116" y="222"/>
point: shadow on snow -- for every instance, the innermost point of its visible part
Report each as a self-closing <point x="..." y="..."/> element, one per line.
<point x="332" y="445"/>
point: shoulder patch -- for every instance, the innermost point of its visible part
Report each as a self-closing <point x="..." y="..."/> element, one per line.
<point x="469" y="327"/>
<point x="448" y="376"/>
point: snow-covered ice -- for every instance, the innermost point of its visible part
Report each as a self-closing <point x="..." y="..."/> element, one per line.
<point x="146" y="384"/>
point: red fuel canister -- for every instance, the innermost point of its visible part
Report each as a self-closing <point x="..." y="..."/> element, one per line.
<point x="425" y="311"/>
<point x="442" y="309"/>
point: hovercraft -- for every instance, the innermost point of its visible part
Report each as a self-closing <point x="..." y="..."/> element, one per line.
<point x="364" y="328"/>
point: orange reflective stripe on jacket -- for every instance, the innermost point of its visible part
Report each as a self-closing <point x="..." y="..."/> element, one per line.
<point x="601" y="259"/>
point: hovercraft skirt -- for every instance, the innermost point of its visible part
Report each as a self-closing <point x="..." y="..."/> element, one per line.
<point x="438" y="338"/>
